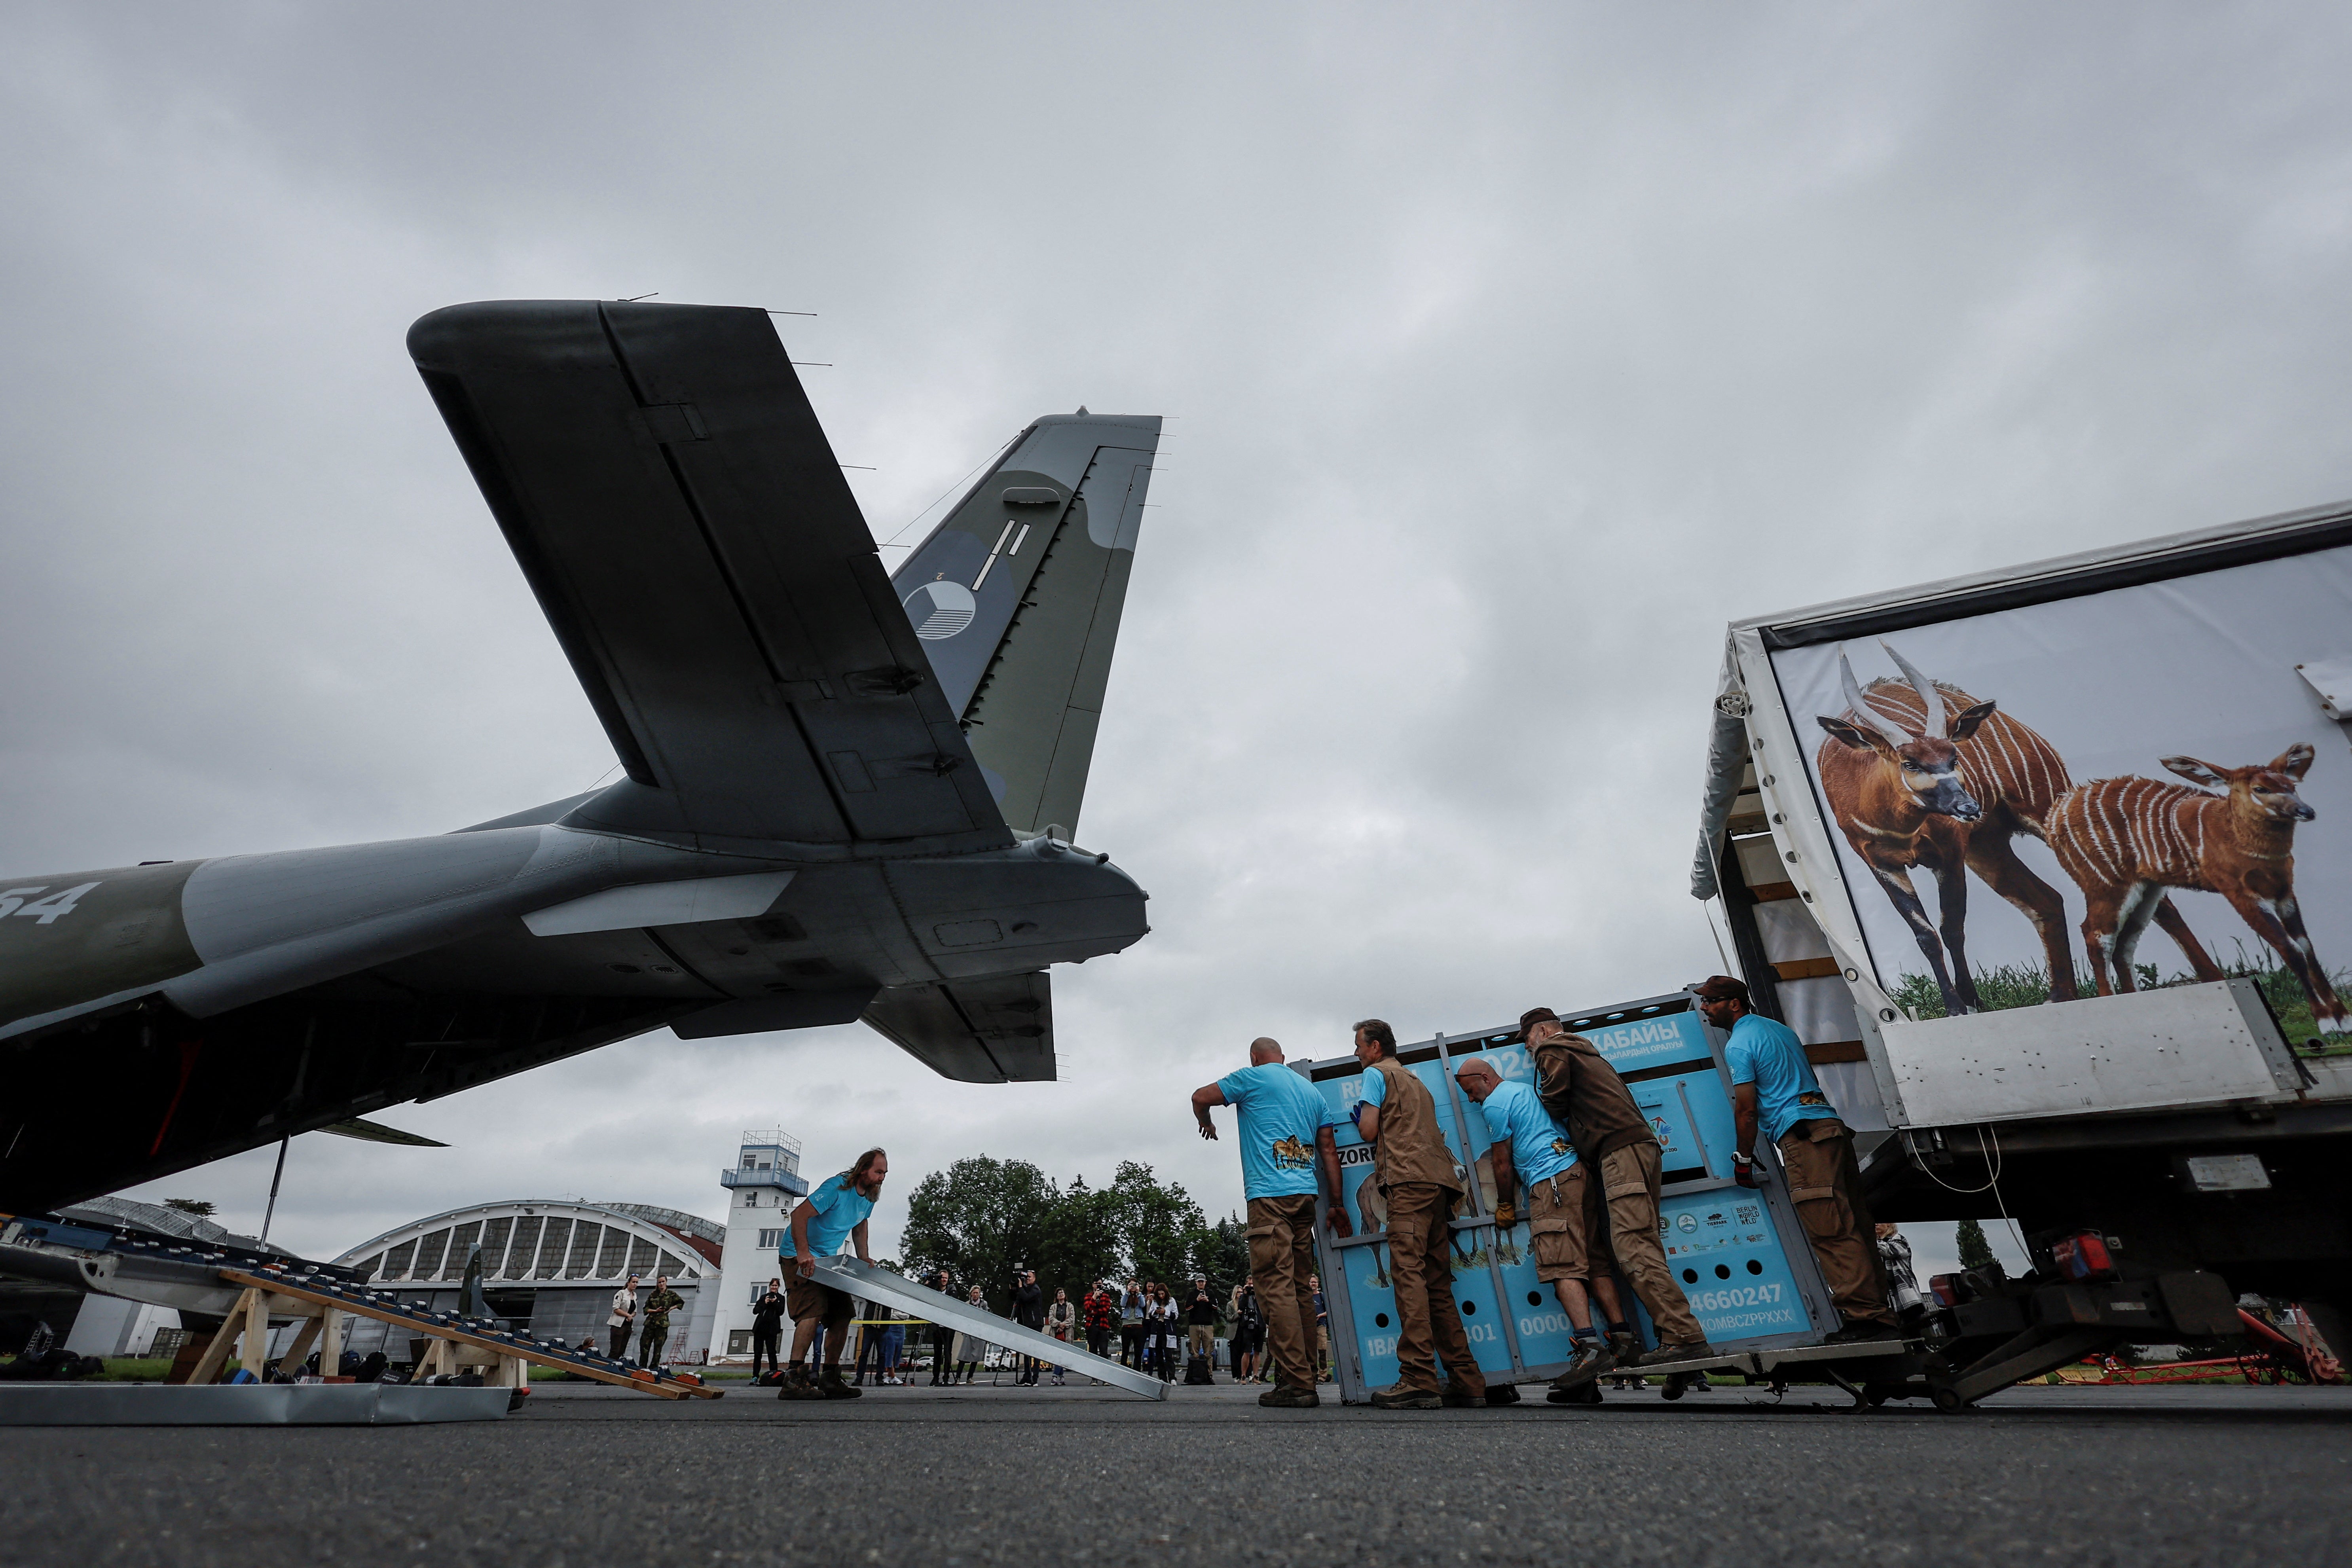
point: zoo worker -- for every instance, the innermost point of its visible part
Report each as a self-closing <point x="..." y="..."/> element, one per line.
<point x="1525" y="1145"/>
<point x="1619" y="1151"/>
<point x="1287" y="1151"/>
<point x="835" y="1212"/>
<point x="1773" y="1084"/>
<point x="1416" y="1176"/>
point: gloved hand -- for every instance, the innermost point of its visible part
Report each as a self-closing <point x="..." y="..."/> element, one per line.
<point x="1743" y="1171"/>
<point x="1505" y="1216"/>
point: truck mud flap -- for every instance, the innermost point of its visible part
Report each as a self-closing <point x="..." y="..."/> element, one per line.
<point x="2200" y="1303"/>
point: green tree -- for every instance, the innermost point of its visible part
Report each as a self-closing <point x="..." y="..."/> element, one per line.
<point x="1156" y="1227"/>
<point x="1976" y="1252"/>
<point x="980" y="1219"/>
<point x="1080" y="1244"/>
<point x="196" y="1206"/>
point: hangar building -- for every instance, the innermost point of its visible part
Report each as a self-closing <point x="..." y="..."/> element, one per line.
<point x="548" y="1266"/>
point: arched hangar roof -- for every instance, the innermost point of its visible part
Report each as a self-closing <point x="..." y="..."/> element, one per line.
<point x="534" y="1240"/>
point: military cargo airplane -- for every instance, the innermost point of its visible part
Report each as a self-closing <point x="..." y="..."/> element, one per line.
<point x="844" y="794"/>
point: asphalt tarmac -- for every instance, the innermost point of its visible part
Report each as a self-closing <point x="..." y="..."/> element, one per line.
<point x="589" y="1476"/>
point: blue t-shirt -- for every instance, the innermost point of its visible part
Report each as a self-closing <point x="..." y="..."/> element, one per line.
<point x="839" y="1209"/>
<point x="1374" y="1091"/>
<point x="1278" y="1112"/>
<point x="1515" y="1114"/>
<point x="1770" y="1057"/>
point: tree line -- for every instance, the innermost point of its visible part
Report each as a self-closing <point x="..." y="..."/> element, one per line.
<point x="982" y="1219"/>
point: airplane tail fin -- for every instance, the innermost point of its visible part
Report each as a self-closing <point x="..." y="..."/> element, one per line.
<point x="1016" y="598"/>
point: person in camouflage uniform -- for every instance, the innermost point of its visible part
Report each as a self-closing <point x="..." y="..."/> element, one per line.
<point x="654" y="1338"/>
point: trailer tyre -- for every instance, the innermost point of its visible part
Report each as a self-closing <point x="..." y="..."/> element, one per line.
<point x="1949" y="1400"/>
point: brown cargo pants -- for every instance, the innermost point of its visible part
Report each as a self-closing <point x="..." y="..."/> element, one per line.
<point x="1282" y="1262"/>
<point x="1421" y="1263"/>
<point x="1825" y="1184"/>
<point x="1622" y="1224"/>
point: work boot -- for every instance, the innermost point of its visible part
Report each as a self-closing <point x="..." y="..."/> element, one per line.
<point x="796" y="1384"/>
<point x="1284" y="1397"/>
<point x="830" y="1386"/>
<point x="1678" y="1350"/>
<point x="1458" y="1395"/>
<point x="1626" y="1346"/>
<point x="1397" y="1397"/>
<point x="1584" y="1394"/>
<point x="1588" y="1359"/>
<point x="1501" y="1393"/>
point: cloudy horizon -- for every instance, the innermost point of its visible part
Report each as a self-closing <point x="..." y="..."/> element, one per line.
<point x="1509" y="352"/>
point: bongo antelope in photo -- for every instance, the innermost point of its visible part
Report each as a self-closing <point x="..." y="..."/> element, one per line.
<point x="1920" y="774"/>
<point x="2126" y="840"/>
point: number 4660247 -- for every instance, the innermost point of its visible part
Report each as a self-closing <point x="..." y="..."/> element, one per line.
<point x="12" y="902"/>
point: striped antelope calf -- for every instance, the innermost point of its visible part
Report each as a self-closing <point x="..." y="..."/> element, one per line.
<point x="1946" y="783"/>
<point x="2126" y="840"/>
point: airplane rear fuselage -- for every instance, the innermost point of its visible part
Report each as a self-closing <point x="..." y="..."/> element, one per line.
<point x="210" y="960"/>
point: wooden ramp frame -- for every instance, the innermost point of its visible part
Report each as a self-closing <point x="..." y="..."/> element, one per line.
<point x="323" y="1304"/>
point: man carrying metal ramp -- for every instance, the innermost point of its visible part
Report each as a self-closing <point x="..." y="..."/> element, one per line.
<point x="1284" y="1131"/>
<point x="836" y="1211"/>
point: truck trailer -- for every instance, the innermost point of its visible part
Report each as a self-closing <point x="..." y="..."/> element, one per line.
<point x="2050" y="869"/>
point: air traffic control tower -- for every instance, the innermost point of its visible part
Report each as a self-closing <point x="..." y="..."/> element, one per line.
<point x="764" y="1184"/>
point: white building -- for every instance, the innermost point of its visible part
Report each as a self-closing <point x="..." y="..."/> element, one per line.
<point x="765" y="1183"/>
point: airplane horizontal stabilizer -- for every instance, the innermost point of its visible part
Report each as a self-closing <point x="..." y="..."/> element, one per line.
<point x="998" y="1030"/>
<point x="671" y="499"/>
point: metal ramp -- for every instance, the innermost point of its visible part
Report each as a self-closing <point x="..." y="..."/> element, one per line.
<point x="851" y="1277"/>
<point x="1798" y="1360"/>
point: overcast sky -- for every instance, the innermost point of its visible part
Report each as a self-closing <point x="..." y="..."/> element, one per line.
<point x="1513" y="352"/>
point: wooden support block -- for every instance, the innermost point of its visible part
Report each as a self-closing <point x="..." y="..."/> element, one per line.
<point x="255" y="1351"/>
<point x="215" y="1356"/>
<point x="331" y="1342"/>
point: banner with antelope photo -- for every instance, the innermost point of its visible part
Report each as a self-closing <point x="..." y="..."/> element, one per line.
<point x="2128" y="789"/>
